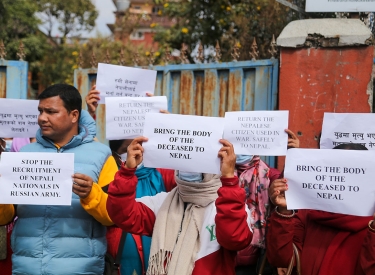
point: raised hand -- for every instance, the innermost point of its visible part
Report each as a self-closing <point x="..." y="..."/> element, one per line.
<point x="92" y="100"/>
<point x="293" y="141"/>
<point x="228" y="159"/>
<point x="135" y="153"/>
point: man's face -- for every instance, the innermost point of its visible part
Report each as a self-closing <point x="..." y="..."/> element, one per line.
<point x="55" y="122"/>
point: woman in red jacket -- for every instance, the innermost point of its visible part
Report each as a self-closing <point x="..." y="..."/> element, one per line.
<point x="328" y="243"/>
<point x="196" y="228"/>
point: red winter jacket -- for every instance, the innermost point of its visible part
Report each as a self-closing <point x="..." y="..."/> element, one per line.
<point x="229" y="216"/>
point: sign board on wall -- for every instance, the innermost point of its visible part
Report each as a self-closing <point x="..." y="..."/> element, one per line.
<point x="340" y="5"/>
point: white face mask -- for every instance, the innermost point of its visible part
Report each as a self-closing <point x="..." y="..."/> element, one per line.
<point x="123" y="156"/>
<point x="8" y="145"/>
<point x="190" y="176"/>
<point x="243" y="159"/>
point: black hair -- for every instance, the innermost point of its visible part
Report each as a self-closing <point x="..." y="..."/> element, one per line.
<point x="115" y="144"/>
<point x="351" y="146"/>
<point x="68" y="94"/>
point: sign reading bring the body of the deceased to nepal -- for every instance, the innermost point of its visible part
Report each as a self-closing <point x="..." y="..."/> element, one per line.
<point x="125" y="116"/>
<point x="257" y="132"/>
<point x="36" y="178"/>
<point x="120" y="81"/>
<point x="18" y="118"/>
<point x="338" y="181"/>
<point x="339" y="128"/>
<point x="183" y="142"/>
<point x="340" y="5"/>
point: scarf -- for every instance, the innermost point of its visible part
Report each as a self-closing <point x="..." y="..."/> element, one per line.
<point x="254" y="178"/>
<point x="176" y="235"/>
<point x="339" y="247"/>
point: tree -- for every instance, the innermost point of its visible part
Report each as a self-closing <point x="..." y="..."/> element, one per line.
<point x="72" y="16"/>
<point x="228" y="21"/>
<point x="18" y="22"/>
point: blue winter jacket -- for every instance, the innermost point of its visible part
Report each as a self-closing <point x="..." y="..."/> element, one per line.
<point x="62" y="240"/>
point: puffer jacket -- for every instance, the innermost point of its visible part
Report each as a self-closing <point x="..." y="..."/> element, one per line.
<point x="62" y="239"/>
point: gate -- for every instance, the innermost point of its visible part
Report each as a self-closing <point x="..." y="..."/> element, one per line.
<point x="204" y="89"/>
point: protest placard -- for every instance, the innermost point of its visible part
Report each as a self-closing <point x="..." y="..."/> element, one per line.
<point x="125" y="116"/>
<point x="339" y="128"/>
<point x="18" y="118"/>
<point x="36" y="178"/>
<point x="257" y="132"/>
<point x="182" y="142"/>
<point x="338" y="181"/>
<point x="120" y="81"/>
<point x="340" y="5"/>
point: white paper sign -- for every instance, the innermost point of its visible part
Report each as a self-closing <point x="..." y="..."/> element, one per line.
<point x="125" y="116"/>
<point x="120" y="81"/>
<point x="182" y="142"/>
<point x="348" y="128"/>
<point x="18" y="118"/>
<point x="36" y="178"/>
<point x="340" y="5"/>
<point x="257" y="132"/>
<point x="338" y="181"/>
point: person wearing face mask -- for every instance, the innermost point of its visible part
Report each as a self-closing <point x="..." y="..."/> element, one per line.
<point x="151" y="181"/>
<point x="196" y="228"/>
<point x="136" y="249"/>
<point x="6" y="144"/>
<point x="255" y="176"/>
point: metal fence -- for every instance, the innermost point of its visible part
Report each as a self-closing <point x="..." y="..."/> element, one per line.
<point x="205" y="89"/>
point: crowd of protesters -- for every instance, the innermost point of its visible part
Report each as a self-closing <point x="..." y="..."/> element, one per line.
<point x="158" y="221"/>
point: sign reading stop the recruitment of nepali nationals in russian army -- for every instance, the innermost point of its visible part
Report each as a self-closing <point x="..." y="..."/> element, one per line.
<point x="340" y="5"/>
<point x="36" y="178"/>
<point x="257" y="132"/>
<point x="182" y="142"/>
<point x="338" y="181"/>
<point x="125" y="116"/>
<point x="120" y="81"/>
<point x="18" y="118"/>
<point x="339" y="128"/>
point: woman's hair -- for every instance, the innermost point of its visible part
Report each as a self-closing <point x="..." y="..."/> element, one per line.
<point x="351" y="146"/>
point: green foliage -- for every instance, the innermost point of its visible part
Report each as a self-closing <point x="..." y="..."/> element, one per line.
<point x="229" y="22"/>
<point x="72" y="16"/>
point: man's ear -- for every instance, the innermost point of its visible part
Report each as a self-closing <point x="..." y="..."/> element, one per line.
<point x="75" y="116"/>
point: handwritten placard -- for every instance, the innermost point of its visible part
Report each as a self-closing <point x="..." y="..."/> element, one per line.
<point x="125" y="116"/>
<point x="339" y="128"/>
<point x="18" y="118"/>
<point x="257" y="132"/>
<point x="182" y="142"/>
<point x="340" y="5"/>
<point x="36" y="178"/>
<point x="120" y="81"/>
<point x="338" y="181"/>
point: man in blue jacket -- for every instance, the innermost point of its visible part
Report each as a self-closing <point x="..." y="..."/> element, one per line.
<point x="65" y="239"/>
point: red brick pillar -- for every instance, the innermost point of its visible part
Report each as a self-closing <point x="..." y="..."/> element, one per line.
<point x="325" y="66"/>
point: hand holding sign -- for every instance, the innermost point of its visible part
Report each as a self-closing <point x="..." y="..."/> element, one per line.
<point x="135" y="153"/>
<point x="82" y="185"/>
<point x="293" y="140"/>
<point x="276" y="193"/>
<point x="228" y="159"/>
<point x="92" y="100"/>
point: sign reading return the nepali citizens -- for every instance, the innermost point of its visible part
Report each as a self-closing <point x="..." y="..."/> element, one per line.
<point x="257" y="132"/>
<point x="18" y="118"/>
<point x="338" y="181"/>
<point x="182" y="142"/>
<point x="120" y="81"/>
<point x="339" y="128"/>
<point x="340" y="5"/>
<point x="36" y="178"/>
<point x="125" y="116"/>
